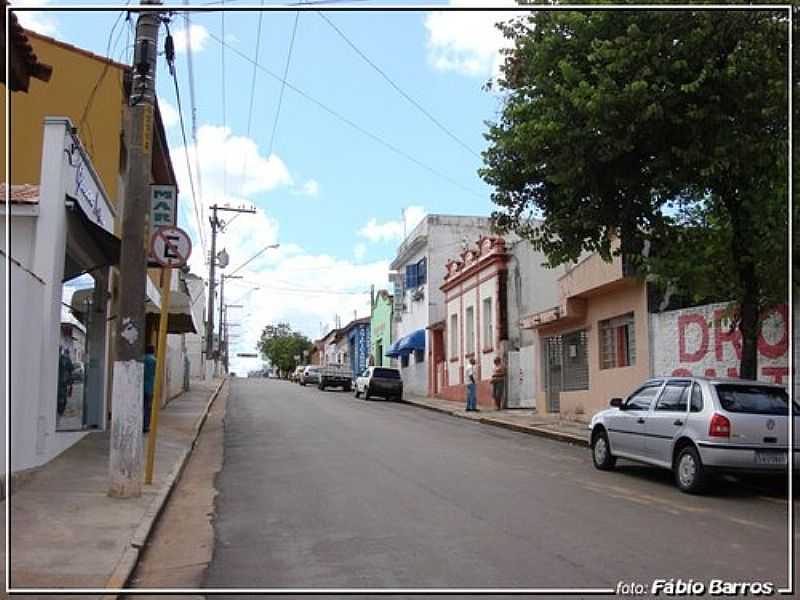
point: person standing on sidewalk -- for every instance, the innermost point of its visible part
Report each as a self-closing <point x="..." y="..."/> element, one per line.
<point x="498" y="383"/>
<point x="469" y="376"/>
<point x="149" y="383"/>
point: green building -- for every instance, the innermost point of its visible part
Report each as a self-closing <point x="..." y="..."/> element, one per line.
<point x="381" y="329"/>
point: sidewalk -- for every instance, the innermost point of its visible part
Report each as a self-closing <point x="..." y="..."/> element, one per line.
<point x="523" y="420"/>
<point x="66" y="532"/>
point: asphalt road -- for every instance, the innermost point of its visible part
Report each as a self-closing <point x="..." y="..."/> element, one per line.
<point x="320" y="490"/>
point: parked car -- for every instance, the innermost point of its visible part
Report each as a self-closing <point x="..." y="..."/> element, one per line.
<point x="310" y="375"/>
<point x="295" y="375"/>
<point x="335" y="376"/>
<point x="380" y="381"/>
<point x="695" y="426"/>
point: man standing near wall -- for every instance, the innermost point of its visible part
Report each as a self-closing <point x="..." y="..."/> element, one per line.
<point x="499" y="383"/>
<point x="149" y="383"/>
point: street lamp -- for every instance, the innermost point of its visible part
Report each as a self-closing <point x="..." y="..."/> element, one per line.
<point x="256" y="255"/>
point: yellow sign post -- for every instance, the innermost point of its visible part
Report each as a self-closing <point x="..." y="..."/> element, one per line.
<point x="161" y="359"/>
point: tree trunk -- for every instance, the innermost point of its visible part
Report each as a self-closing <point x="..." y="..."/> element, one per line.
<point x="748" y="326"/>
<point x="741" y="247"/>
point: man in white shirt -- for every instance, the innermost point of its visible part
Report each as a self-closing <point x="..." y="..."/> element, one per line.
<point x="471" y="379"/>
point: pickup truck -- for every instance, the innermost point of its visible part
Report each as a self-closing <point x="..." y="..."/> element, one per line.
<point x="335" y="376"/>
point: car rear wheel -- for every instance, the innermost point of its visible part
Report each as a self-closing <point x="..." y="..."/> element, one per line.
<point x="367" y="393"/>
<point x="357" y="393"/>
<point x="690" y="475"/>
<point x="601" y="452"/>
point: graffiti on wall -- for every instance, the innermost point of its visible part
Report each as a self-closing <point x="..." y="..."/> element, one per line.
<point x="703" y="341"/>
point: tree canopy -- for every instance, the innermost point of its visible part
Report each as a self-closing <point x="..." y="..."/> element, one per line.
<point x="667" y="130"/>
<point x="280" y="344"/>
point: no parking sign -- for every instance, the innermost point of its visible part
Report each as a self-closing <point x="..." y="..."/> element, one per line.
<point x="170" y="246"/>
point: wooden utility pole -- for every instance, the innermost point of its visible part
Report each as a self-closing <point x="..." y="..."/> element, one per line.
<point x="216" y="225"/>
<point x="125" y="464"/>
<point x="222" y="308"/>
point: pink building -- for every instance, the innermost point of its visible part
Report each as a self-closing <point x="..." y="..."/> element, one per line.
<point x="476" y="323"/>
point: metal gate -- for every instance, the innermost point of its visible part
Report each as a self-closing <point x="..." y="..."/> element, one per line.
<point x="552" y="356"/>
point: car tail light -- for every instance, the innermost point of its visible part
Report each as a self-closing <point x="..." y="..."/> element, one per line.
<point x="720" y="426"/>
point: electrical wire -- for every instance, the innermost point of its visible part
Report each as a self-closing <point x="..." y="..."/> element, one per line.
<point x="193" y="105"/>
<point x="171" y="62"/>
<point x="224" y="114"/>
<point x="399" y="90"/>
<point x="93" y="94"/>
<point x="252" y="102"/>
<point x="349" y="122"/>
<point x="283" y="83"/>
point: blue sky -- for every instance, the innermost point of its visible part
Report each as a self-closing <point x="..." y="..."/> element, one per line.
<point x="329" y="194"/>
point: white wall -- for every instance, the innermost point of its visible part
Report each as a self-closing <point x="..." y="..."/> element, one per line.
<point x="445" y="234"/>
<point x="694" y="341"/>
<point x="194" y="341"/>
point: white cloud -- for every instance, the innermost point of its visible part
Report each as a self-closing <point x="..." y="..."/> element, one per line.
<point x="40" y="22"/>
<point x="311" y="187"/>
<point x="199" y="37"/>
<point x="360" y="250"/>
<point x="387" y="231"/>
<point x="467" y="42"/>
<point x="306" y="290"/>
<point x="168" y="113"/>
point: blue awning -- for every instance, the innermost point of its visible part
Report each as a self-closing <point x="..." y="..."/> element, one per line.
<point x="407" y="344"/>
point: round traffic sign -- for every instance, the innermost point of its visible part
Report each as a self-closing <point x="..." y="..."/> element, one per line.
<point x="170" y="246"/>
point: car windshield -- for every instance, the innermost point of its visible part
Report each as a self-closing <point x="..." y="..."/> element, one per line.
<point x="754" y="399"/>
<point x="386" y="373"/>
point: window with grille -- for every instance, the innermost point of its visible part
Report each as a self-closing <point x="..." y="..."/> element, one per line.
<point x="453" y="335"/>
<point x="470" y="331"/>
<point x="617" y="342"/>
<point x="575" y="361"/>
<point x="488" y="323"/>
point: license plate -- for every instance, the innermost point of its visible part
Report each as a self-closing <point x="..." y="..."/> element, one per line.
<point x="771" y="458"/>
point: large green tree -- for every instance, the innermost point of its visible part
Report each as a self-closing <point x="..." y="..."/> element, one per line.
<point x="666" y="130"/>
<point x="280" y="344"/>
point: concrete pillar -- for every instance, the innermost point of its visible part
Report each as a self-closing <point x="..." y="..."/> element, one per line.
<point x="48" y="262"/>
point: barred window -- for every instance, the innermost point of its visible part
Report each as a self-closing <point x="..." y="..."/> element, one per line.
<point x="617" y="342"/>
<point x="470" y="330"/>
<point x="575" y="361"/>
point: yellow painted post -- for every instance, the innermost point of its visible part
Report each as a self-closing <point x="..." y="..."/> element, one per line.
<point x="161" y="359"/>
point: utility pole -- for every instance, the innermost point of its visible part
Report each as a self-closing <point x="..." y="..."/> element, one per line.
<point x="222" y="306"/>
<point x="216" y="225"/>
<point x="125" y="461"/>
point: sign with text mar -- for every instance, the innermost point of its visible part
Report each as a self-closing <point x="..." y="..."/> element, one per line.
<point x="163" y="206"/>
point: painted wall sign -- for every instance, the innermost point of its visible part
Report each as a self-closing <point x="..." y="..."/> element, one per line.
<point x="163" y="206"/>
<point x="84" y="186"/>
<point x="701" y="341"/>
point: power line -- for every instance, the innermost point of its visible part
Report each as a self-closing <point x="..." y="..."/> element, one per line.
<point x="383" y="74"/>
<point x="224" y="116"/>
<point x="252" y="101"/>
<point x="283" y="84"/>
<point x="193" y="105"/>
<point x="171" y="62"/>
<point x="349" y="122"/>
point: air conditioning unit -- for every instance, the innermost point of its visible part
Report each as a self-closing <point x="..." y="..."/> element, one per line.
<point x="418" y="294"/>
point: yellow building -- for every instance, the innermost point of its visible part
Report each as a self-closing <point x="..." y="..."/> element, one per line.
<point x="90" y="90"/>
<point x="55" y="239"/>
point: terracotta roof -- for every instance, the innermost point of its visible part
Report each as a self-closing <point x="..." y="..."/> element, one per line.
<point x="21" y="194"/>
<point x="25" y="64"/>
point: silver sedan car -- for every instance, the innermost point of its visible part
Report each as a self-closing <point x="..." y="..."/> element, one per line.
<point x="696" y="425"/>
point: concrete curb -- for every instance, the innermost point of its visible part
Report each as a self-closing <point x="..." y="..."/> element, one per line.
<point x="540" y="431"/>
<point x="127" y="564"/>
